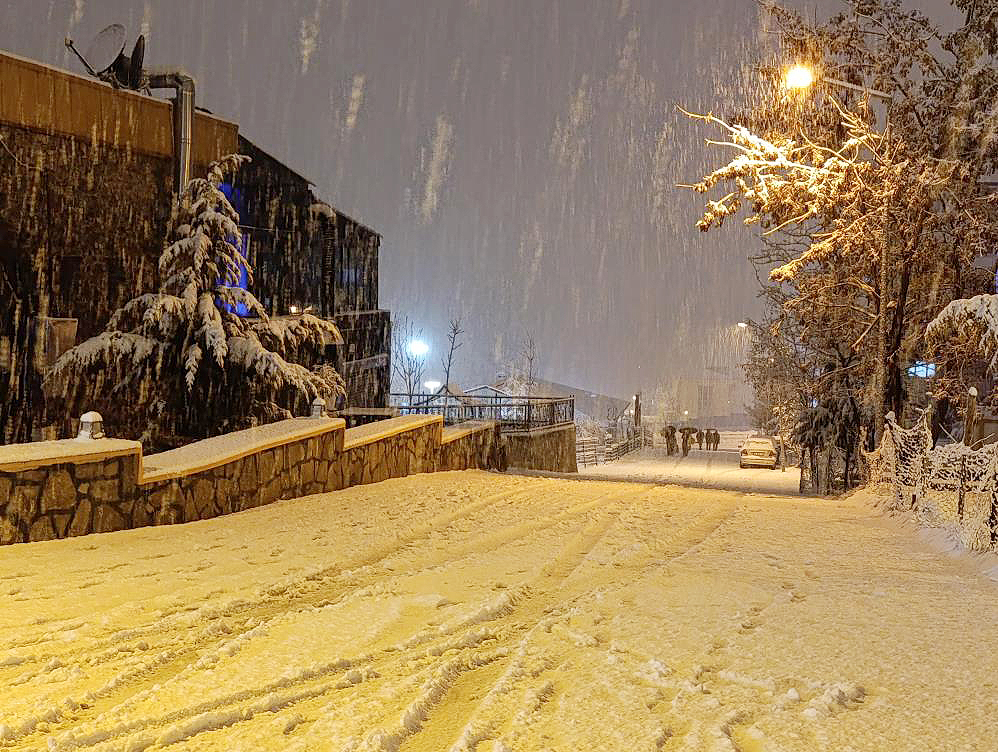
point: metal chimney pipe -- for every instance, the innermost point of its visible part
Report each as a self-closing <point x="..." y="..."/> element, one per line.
<point x="183" y="118"/>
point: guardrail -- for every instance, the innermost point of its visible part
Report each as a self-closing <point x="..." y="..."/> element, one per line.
<point x="512" y="413"/>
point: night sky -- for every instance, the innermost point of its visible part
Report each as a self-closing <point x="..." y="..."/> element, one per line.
<point x="519" y="157"/>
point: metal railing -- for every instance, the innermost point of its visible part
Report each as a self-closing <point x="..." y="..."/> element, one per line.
<point x="596" y="452"/>
<point x="512" y="413"/>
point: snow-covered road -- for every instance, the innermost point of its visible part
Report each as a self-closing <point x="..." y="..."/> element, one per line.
<point x="474" y="611"/>
<point x="701" y="468"/>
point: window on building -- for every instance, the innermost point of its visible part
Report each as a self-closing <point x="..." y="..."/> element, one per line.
<point x="922" y="370"/>
<point x="235" y="197"/>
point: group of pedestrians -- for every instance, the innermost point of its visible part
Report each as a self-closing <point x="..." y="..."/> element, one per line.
<point x="701" y="436"/>
<point x="711" y="437"/>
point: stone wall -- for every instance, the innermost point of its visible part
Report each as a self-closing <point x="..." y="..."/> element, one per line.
<point x="472" y="446"/>
<point x="298" y="468"/>
<point x="546" y="449"/>
<point x="379" y="451"/>
<point x="58" y="489"/>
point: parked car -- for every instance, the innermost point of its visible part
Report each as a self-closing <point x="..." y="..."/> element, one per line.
<point x="758" y="452"/>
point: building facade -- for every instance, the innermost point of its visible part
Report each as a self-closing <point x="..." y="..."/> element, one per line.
<point x="86" y="187"/>
<point x="309" y="256"/>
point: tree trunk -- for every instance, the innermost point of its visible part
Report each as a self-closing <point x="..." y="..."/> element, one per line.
<point x="815" y="478"/>
<point x="890" y="391"/>
<point x="939" y="417"/>
<point x="880" y="386"/>
<point x="895" y="384"/>
<point x="848" y="457"/>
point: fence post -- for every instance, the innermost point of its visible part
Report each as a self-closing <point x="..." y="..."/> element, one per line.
<point x="962" y="491"/>
<point x="993" y="517"/>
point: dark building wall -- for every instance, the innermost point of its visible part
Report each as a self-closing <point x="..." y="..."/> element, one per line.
<point x="365" y="362"/>
<point x="84" y="226"/>
<point x="85" y="194"/>
<point x="89" y="221"/>
<point x="307" y="254"/>
<point x="275" y="220"/>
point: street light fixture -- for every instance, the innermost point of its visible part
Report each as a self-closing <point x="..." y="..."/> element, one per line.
<point x="742" y="325"/>
<point x="417" y="347"/>
<point x="798" y="77"/>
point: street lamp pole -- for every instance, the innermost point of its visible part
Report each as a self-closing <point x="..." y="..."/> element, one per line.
<point x="799" y="77"/>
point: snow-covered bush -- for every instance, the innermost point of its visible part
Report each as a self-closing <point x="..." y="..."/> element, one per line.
<point x="178" y="364"/>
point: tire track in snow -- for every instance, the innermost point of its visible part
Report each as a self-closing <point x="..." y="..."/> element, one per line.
<point x="168" y="623"/>
<point x="181" y="640"/>
<point x="451" y="662"/>
<point x="487" y="718"/>
<point x="543" y="606"/>
<point x="601" y="510"/>
<point x="168" y="664"/>
<point x="216" y="712"/>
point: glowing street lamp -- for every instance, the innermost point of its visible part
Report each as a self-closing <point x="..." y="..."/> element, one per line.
<point x="799" y="77"/>
<point x="417" y="348"/>
<point x="742" y="325"/>
<point x="432" y="386"/>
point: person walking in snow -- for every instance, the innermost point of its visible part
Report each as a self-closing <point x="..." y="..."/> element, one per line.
<point x="687" y="442"/>
<point x="700" y="439"/>
<point x="671" y="447"/>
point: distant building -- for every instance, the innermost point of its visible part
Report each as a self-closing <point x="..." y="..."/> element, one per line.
<point x="717" y="400"/>
<point x="86" y="184"/>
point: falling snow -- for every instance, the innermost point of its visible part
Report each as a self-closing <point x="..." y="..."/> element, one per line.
<point x="436" y="169"/>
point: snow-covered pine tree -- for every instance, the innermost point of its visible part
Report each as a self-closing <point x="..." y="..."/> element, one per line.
<point x="178" y="364"/>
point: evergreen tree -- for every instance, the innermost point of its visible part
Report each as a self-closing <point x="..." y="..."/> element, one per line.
<point x="179" y="364"/>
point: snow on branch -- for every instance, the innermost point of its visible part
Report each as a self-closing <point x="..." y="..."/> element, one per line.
<point x="975" y="317"/>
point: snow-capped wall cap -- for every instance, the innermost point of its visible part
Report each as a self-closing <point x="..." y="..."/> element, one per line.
<point x="208" y="454"/>
<point x="15" y="458"/>
<point x="318" y="408"/>
<point x="91" y="426"/>
<point x="972" y="391"/>
<point x="382" y="429"/>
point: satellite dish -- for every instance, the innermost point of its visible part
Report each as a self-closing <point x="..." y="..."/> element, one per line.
<point x="105" y="49"/>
